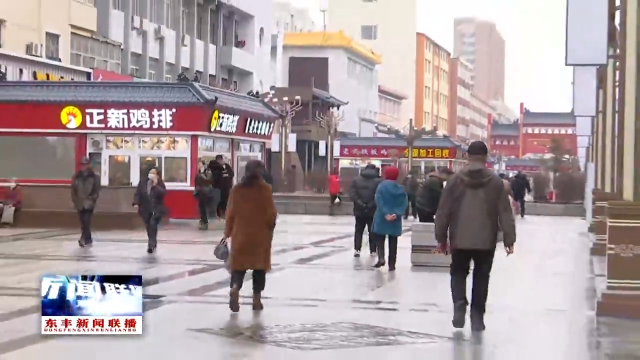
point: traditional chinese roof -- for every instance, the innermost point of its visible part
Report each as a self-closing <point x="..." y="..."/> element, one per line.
<point x="131" y="92"/>
<point x="512" y="129"/>
<point x="436" y="142"/>
<point x="548" y="118"/>
<point x="325" y="96"/>
<point x="523" y="162"/>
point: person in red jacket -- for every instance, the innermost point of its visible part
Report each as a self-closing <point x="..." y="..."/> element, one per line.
<point x="334" y="188"/>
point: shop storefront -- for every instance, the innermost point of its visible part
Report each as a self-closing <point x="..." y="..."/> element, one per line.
<point x="131" y="128"/>
<point x="427" y="153"/>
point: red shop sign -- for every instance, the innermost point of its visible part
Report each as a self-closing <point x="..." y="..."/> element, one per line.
<point x="124" y="119"/>
<point x="356" y="151"/>
<point x="104" y="75"/>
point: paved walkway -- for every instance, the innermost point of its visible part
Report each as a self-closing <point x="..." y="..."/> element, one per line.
<point x="320" y="301"/>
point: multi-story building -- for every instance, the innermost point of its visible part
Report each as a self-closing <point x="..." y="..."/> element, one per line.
<point x="389" y="28"/>
<point x="389" y="106"/>
<point x="35" y="38"/>
<point x="431" y="84"/>
<point x="225" y="43"/>
<point x="503" y="113"/>
<point x="460" y="100"/>
<point x="335" y="63"/>
<point x="481" y="112"/>
<point x="289" y="18"/>
<point x="480" y="44"/>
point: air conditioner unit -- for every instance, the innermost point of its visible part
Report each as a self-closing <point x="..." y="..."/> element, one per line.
<point x="161" y="32"/>
<point x="184" y="40"/>
<point x="32" y="49"/>
<point x="152" y="76"/>
<point x="134" y="71"/>
<point x="167" y="78"/>
<point x="96" y="144"/>
<point x="136" y="23"/>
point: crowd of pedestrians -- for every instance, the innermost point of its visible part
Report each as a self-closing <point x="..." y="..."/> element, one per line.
<point x="471" y="211"/>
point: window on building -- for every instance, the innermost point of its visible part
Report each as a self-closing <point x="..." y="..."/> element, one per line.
<point x="428" y="66"/>
<point x="369" y="32"/>
<point x="103" y="54"/>
<point x="428" y="92"/>
<point x="49" y="157"/>
<point x="137" y="7"/>
<point x="118" y="5"/>
<point x="52" y="46"/>
<point x="429" y="48"/>
<point x="168" y="13"/>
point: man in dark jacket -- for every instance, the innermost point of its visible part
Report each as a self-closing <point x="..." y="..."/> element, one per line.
<point x="411" y="185"/>
<point x="85" y="189"/>
<point x="474" y="206"/>
<point x="224" y="184"/>
<point x="520" y="187"/>
<point x="429" y="194"/>
<point x="206" y="195"/>
<point x="363" y="194"/>
<point x="149" y="201"/>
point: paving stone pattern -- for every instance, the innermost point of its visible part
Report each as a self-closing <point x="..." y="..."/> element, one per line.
<point x="320" y="302"/>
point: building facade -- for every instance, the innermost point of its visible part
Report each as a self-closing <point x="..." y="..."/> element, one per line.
<point x="460" y="100"/>
<point x="335" y="63"/>
<point x="481" y="113"/>
<point x="389" y="28"/>
<point x="389" y="106"/>
<point x="35" y="37"/>
<point x="432" y="84"/>
<point x="479" y="43"/>
<point x="224" y="43"/>
<point x="289" y="18"/>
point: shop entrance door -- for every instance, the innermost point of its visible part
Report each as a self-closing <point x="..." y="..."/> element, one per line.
<point x="241" y="162"/>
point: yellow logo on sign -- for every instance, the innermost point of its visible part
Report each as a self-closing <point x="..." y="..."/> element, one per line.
<point x="71" y="117"/>
<point x="215" y="120"/>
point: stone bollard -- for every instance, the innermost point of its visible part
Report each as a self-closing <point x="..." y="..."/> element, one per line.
<point x="423" y="243"/>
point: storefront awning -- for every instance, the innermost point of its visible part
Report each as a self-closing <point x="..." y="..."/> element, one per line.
<point x="122" y="92"/>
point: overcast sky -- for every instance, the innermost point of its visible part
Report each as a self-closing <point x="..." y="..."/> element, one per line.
<point x="534" y="32"/>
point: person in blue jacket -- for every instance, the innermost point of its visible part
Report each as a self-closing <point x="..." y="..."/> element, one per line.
<point x="391" y="202"/>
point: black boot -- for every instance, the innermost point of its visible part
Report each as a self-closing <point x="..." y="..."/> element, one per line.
<point x="477" y="322"/>
<point x="459" y="314"/>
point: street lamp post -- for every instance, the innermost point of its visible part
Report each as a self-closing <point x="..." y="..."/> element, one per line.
<point x="330" y="122"/>
<point x="288" y="108"/>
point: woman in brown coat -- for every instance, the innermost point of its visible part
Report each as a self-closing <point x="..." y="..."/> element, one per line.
<point x="251" y="218"/>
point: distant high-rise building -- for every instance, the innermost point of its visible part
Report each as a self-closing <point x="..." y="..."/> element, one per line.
<point x="479" y="43"/>
<point x="389" y="28"/>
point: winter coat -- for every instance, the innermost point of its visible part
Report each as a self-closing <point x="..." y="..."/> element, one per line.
<point x="216" y="170"/>
<point x="226" y="180"/>
<point x="474" y="206"/>
<point x="333" y="185"/>
<point x="520" y="187"/>
<point x="251" y="218"/>
<point x="411" y="185"/>
<point x="150" y="199"/>
<point x="390" y="199"/>
<point x="268" y="179"/>
<point x="85" y="189"/>
<point x="204" y="184"/>
<point x="363" y="193"/>
<point x="429" y="193"/>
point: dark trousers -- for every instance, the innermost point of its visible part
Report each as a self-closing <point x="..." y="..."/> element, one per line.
<point x="203" y="208"/>
<point x="85" y="216"/>
<point x="151" y="222"/>
<point x="460" y="264"/>
<point x="361" y="223"/>
<point x="259" y="279"/>
<point x="521" y="202"/>
<point x="426" y="216"/>
<point x="393" y="248"/>
<point x="411" y="204"/>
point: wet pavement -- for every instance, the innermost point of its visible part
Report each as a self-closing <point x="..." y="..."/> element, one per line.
<point x="319" y="300"/>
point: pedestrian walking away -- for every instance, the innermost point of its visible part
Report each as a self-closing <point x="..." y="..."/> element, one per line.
<point x="251" y="220"/>
<point x="520" y="187"/>
<point x="85" y="189"/>
<point x="391" y="202"/>
<point x="149" y="201"/>
<point x="429" y="193"/>
<point x="474" y="205"/>
<point x="411" y="185"/>
<point x="363" y="194"/>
